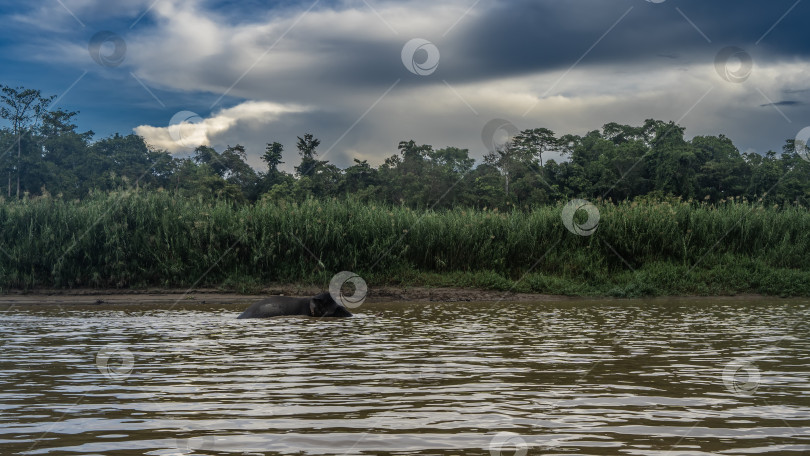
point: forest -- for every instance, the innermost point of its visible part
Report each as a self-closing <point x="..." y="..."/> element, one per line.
<point x="43" y="153"/>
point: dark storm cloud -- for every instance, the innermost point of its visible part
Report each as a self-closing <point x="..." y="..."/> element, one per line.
<point x="522" y="37"/>
<point x="783" y="103"/>
<point x="513" y="38"/>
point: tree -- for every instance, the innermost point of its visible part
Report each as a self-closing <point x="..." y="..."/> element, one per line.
<point x="793" y="185"/>
<point x="723" y="172"/>
<point x="65" y="155"/>
<point x="447" y="182"/>
<point x="272" y="156"/>
<point x="511" y="161"/>
<point x="209" y="156"/>
<point x="23" y="108"/>
<point x="238" y="172"/>
<point x="765" y="174"/>
<point x="410" y="174"/>
<point x="306" y="149"/>
<point x="358" y="178"/>
<point x="273" y="176"/>
<point x="199" y="179"/>
<point x="232" y="168"/>
<point x="486" y="187"/>
<point x="452" y="161"/>
<point x="535" y="142"/>
<point x="672" y="162"/>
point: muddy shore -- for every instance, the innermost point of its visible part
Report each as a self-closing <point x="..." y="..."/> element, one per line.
<point x="203" y="296"/>
<point x="416" y="294"/>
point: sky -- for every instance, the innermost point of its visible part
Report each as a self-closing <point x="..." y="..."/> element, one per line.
<point x="363" y="75"/>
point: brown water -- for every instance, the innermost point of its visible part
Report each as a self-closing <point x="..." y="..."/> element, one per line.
<point x="593" y="378"/>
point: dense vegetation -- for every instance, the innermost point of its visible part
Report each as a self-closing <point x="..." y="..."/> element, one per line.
<point x="138" y="238"/>
<point x="678" y="216"/>
<point x="44" y="153"/>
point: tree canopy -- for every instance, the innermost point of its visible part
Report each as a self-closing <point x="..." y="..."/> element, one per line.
<point x="44" y="153"/>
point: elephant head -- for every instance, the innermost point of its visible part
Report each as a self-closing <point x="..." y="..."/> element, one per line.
<point x="323" y="305"/>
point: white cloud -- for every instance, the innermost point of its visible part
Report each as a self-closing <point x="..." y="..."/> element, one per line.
<point x="186" y="131"/>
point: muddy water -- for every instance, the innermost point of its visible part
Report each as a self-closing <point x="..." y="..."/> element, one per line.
<point x="596" y="378"/>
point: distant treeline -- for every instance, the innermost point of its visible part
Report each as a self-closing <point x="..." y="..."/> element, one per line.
<point x="42" y="152"/>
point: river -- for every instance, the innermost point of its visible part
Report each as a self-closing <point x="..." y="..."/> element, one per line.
<point x="643" y="377"/>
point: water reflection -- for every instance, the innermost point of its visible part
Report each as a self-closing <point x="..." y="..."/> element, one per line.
<point x="598" y="378"/>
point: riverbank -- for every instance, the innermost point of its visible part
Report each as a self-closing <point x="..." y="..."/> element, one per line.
<point x="204" y="296"/>
<point x="382" y="294"/>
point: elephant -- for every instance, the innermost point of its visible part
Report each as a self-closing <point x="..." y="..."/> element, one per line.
<point x="321" y="305"/>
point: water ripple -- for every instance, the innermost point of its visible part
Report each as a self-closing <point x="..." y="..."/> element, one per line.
<point x="692" y="377"/>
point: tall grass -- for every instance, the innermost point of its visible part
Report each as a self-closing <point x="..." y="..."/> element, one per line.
<point x="138" y="239"/>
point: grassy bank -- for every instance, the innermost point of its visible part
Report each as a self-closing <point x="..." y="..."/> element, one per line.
<point x="137" y="239"/>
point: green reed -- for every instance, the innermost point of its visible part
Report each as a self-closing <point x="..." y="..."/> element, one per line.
<point x="140" y="239"/>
